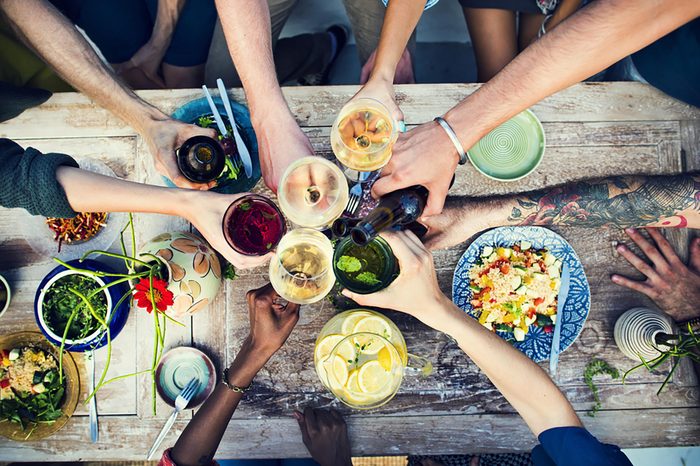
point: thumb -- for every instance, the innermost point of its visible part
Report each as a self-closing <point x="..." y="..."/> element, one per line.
<point x="436" y="201"/>
<point x="694" y="261"/>
<point x="384" y="185"/>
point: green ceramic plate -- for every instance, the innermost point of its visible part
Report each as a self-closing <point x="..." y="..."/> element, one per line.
<point x="512" y="150"/>
<point x="180" y="365"/>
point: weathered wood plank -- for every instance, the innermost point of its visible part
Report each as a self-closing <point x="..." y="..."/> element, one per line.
<point x="129" y="438"/>
<point x="74" y="115"/>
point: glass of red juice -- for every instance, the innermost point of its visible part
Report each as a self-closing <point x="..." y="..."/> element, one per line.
<point x="253" y="225"/>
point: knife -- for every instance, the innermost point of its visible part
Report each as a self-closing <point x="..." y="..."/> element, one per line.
<point x="561" y="301"/>
<point x="242" y="149"/>
<point x="90" y="367"/>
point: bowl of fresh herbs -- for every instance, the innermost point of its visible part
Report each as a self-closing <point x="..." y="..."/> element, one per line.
<point x="73" y="309"/>
<point x="38" y="392"/>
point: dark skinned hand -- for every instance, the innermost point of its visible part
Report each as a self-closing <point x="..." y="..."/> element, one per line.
<point x="325" y="435"/>
<point x="270" y="322"/>
<point x="672" y="285"/>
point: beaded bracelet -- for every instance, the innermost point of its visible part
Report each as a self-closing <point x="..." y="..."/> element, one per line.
<point x="232" y="387"/>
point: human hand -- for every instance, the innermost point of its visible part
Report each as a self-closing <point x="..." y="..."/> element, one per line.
<point x="461" y="218"/>
<point x="402" y="75"/>
<point x="415" y="291"/>
<point x="164" y="137"/>
<point x="280" y="142"/>
<point x="147" y="60"/>
<point x="325" y="435"/>
<point x="206" y="210"/>
<point x="672" y="285"/>
<point x="383" y="91"/>
<point x="271" y="323"/>
<point x="422" y="156"/>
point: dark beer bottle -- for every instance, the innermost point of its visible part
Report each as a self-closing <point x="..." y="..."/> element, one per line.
<point x="396" y="209"/>
<point x="201" y="159"/>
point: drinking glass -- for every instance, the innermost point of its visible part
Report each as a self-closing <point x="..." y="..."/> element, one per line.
<point x="302" y="272"/>
<point x="313" y="192"/>
<point x="364" y="269"/>
<point x="362" y="137"/>
<point x="361" y="357"/>
<point x="253" y="225"/>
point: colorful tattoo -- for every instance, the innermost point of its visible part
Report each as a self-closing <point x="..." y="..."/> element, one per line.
<point x="620" y="201"/>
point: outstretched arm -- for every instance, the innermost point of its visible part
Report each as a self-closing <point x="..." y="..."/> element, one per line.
<point x="400" y="20"/>
<point x="270" y="325"/>
<point x="59" y="43"/>
<point x="622" y="202"/>
<point x="416" y="292"/>
<point x="246" y="25"/>
<point x="589" y="41"/>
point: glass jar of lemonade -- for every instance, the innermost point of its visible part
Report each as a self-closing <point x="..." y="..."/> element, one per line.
<point x="361" y="357"/>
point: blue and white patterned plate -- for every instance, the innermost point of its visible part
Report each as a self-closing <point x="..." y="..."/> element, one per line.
<point x="537" y="343"/>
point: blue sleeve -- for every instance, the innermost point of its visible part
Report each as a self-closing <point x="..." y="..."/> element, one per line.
<point x="575" y="446"/>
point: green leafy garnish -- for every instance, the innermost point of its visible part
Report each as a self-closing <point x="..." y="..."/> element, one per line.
<point x="205" y="121"/>
<point x="245" y="206"/>
<point x="349" y="264"/>
<point x="597" y="367"/>
<point x="64" y="310"/>
<point x="368" y="278"/>
<point x="229" y="272"/>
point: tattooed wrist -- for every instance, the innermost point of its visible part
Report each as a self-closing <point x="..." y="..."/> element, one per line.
<point x="620" y="201"/>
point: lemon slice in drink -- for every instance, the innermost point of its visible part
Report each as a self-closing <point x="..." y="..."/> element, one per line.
<point x="376" y="325"/>
<point x="349" y="322"/>
<point x="337" y="371"/>
<point x="373" y="379"/>
<point x="326" y="345"/>
<point x="353" y="392"/>
<point x="385" y="358"/>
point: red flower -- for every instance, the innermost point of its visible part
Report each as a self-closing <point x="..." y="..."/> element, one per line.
<point x="162" y="296"/>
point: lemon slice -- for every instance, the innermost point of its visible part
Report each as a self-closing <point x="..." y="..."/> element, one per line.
<point x="337" y="371"/>
<point x="385" y="358"/>
<point x="346" y="350"/>
<point x="326" y="345"/>
<point x="373" y="379"/>
<point x="353" y="393"/>
<point x="349" y="322"/>
<point x="374" y="324"/>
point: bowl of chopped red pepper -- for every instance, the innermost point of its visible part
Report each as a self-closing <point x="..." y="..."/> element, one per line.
<point x="70" y="238"/>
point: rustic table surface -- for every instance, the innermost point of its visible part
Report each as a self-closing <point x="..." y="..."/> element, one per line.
<point x="592" y="130"/>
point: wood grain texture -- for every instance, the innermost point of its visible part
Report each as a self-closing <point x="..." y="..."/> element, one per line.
<point x="593" y="130"/>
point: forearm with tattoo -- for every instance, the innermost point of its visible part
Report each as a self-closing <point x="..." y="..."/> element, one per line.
<point x="668" y="201"/>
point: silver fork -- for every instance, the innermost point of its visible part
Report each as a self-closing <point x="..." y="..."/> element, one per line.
<point x="356" y="195"/>
<point x="181" y="402"/>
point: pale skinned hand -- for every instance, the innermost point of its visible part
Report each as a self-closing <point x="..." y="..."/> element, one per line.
<point x="460" y="219"/>
<point x="148" y="60"/>
<point x="383" y="91"/>
<point x="672" y="285"/>
<point x="325" y="435"/>
<point x="270" y="322"/>
<point x="422" y="156"/>
<point x="280" y="142"/>
<point x="402" y="75"/>
<point x="205" y="210"/>
<point x="415" y="291"/>
<point x="164" y="137"/>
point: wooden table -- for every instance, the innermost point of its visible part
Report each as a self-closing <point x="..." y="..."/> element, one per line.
<point x="592" y="130"/>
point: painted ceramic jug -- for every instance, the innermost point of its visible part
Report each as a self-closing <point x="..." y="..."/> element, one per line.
<point x="636" y="330"/>
<point x="195" y="270"/>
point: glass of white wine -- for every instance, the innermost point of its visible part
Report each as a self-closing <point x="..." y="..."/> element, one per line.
<point x="301" y="271"/>
<point x="362" y="137"/>
<point x="313" y="192"/>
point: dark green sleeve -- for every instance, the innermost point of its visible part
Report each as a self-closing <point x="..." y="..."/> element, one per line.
<point x="29" y="180"/>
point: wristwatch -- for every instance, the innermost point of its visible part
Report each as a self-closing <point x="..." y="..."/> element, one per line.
<point x="232" y="387"/>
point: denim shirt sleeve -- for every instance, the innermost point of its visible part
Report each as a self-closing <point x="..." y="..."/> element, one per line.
<point x="575" y="446"/>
